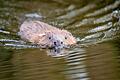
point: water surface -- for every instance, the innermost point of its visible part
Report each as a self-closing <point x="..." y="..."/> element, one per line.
<point x="96" y="26"/>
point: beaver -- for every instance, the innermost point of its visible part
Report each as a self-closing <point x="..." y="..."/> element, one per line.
<point x="45" y="35"/>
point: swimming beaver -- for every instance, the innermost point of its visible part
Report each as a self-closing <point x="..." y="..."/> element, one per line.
<point x="45" y="35"/>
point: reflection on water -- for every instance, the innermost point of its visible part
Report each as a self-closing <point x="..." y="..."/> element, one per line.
<point x="96" y="25"/>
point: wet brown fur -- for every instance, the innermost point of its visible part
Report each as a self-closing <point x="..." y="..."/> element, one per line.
<point x="39" y="32"/>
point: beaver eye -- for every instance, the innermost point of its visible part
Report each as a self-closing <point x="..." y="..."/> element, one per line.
<point x="49" y="37"/>
<point x="65" y="37"/>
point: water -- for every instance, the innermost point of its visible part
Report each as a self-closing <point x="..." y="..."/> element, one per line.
<point x="96" y="26"/>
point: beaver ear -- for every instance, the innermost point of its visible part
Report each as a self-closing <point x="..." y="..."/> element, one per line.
<point x="66" y="32"/>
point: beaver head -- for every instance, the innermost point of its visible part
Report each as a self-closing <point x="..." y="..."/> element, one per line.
<point x="54" y="39"/>
<point x="48" y="39"/>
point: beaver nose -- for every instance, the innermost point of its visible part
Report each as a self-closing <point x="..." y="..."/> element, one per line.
<point x="58" y="43"/>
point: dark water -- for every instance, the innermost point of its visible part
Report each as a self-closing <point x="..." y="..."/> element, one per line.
<point x="95" y="24"/>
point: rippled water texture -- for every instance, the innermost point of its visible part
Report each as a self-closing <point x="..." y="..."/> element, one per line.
<point x="95" y="24"/>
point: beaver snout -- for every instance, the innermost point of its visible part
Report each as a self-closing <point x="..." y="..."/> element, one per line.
<point x="58" y="44"/>
<point x="55" y="43"/>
